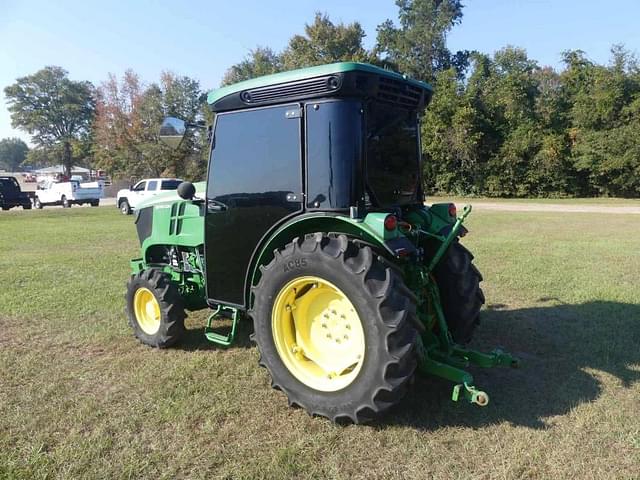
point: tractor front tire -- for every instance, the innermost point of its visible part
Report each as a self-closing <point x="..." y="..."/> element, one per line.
<point x="460" y="293"/>
<point x="334" y="324"/>
<point x="155" y="309"/>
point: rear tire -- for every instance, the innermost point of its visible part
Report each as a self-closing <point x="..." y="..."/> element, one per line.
<point x="124" y="207"/>
<point x="26" y="207"/>
<point x="37" y="203"/>
<point x="460" y="293"/>
<point x="65" y="202"/>
<point x="384" y="308"/>
<point x="95" y="203"/>
<point x="155" y="308"/>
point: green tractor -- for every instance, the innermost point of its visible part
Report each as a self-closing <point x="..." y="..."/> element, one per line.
<point x="312" y="224"/>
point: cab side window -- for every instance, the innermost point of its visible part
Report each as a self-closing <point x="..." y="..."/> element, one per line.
<point x="152" y="186"/>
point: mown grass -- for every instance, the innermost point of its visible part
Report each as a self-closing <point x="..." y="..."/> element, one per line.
<point x="606" y="201"/>
<point x="81" y="398"/>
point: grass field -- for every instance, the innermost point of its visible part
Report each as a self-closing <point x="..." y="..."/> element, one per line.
<point x="605" y="201"/>
<point x="81" y="398"/>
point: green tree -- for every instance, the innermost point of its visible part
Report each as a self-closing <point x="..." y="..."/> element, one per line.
<point x="325" y="42"/>
<point x="53" y="109"/>
<point x="13" y="151"/>
<point x="604" y="121"/>
<point x="418" y="46"/>
<point x="128" y="121"/>
<point x="261" y="61"/>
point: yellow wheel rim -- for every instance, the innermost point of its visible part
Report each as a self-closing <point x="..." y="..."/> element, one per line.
<point x="147" y="310"/>
<point x="318" y="334"/>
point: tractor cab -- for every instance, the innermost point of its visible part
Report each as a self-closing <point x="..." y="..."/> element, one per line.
<point x="340" y="138"/>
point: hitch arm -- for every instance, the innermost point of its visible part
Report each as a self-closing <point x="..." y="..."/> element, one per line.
<point x="447" y="241"/>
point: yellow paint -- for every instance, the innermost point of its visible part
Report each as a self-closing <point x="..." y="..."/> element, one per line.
<point x="318" y="334"/>
<point x="147" y="311"/>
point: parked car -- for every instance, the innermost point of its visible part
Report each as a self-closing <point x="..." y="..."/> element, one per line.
<point x="51" y="192"/>
<point x="11" y="195"/>
<point x="128" y="199"/>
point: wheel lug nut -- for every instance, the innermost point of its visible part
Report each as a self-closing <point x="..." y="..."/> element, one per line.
<point x="346" y="337"/>
<point x="337" y="340"/>
<point x="348" y="327"/>
<point x="324" y="325"/>
<point x="328" y="335"/>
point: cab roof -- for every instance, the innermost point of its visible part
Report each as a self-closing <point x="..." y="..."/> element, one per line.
<point x="310" y="82"/>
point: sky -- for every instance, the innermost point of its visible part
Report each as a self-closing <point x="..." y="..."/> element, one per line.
<point x="201" y="39"/>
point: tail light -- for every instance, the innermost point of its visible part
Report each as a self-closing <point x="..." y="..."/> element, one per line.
<point x="453" y="211"/>
<point x="390" y="222"/>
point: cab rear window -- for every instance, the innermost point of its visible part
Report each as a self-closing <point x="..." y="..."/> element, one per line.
<point x="170" y="184"/>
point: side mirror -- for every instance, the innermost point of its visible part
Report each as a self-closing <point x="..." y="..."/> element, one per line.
<point x="186" y="191"/>
<point x="172" y="131"/>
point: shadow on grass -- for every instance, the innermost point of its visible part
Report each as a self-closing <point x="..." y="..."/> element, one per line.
<point x="566" y="352"/>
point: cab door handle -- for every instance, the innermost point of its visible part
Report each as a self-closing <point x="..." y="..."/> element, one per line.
<point x="214" y="207"/>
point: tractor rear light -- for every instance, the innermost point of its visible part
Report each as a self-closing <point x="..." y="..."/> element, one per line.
<point x="390" y="222"/>
<point x="453" y="211"/>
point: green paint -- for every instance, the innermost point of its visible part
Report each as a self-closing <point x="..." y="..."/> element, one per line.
<point x="178" y="228"/>
<point x="369" y="230"/>
<point x="216" y="337"/>
<point x="306" y="73"/>
<point x="180" y="223"/>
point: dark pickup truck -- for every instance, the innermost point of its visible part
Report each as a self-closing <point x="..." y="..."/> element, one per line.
<point x="11" y="195"/>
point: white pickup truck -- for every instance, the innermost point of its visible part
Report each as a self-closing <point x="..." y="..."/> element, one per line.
<point x="128" y="199"/>
<point x="51" y="192"/>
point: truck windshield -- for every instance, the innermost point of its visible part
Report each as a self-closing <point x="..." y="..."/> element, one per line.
<point x="393" y="166"/>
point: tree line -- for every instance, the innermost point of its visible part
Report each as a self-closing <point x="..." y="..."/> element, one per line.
<point x="498" y="125"/>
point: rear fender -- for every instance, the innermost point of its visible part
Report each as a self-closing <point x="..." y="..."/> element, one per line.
<point x="369" y="231"/>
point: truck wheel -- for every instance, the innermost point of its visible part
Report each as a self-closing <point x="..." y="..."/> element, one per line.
<point x="65" y="202"/>
<point x="26" y="206"/>
<point x="334" y="327"/>
<point x="37" y="203"/>
<point x="95" y="203"/>
<point x="124" y="207"/>
<point x="155" y="308"/>
<point x="5" y="208"/>
<point x="459" y="284"/>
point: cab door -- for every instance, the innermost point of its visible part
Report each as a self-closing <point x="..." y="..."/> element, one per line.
<point x="254" y="182"/>
<point x="137" y="193"/>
